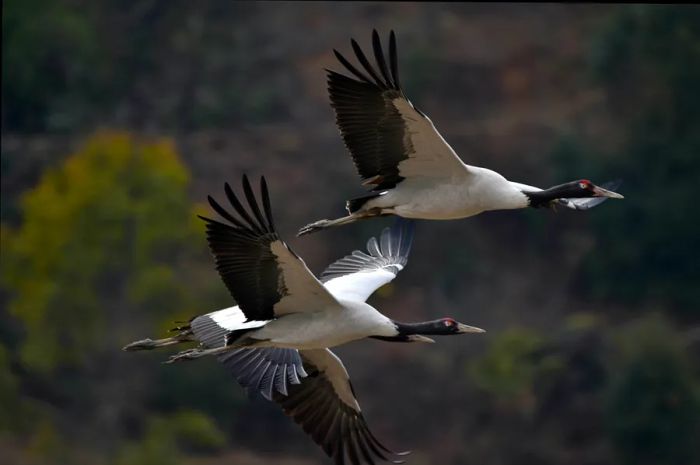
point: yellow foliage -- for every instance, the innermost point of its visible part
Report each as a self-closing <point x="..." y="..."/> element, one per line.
<point x="101" y="234"/>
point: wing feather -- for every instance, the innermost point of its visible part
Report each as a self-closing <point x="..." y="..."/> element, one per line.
<point x="253" y="202"/>
<point x="252" y="225"/>
<point x="379" y="57"/>
<point x="388" y="138"/>
<point x="327" y="410"/>
<point x="358" y="275"/>
<point x="350" y="67"/>
<point x="394" y="57"/>
<point x="264" y="370"/>
<point x="366" y="64"/>
<point x="260" y="271"/>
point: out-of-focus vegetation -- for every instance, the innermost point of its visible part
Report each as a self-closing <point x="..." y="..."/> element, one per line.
<point x="506" y="370"/>
<point x="104" y="233"/>
<point x="653" y="403"/>
<point x="106" y="240"/>
<point x="592" y="349"/>
<point x="166" y="437"/>
<point x="635" y="381"/>
<point x="648" y="62"/>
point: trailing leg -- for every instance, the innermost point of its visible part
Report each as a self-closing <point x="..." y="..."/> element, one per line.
<point x="323" y="224"/>
<point x="351" y="218"/>
<point x="149" y="344"/>
<point x="233" y="340"/>
<point x="195" y="353"/>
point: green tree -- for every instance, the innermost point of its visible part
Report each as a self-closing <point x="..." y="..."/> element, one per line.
<point x="507" y="370"/>
<point x="52" y="65"/>
<point x="648" y="61"/>
<point x="166" y="437"/>
<point x="653" y="404"/>
<point x="106" y="241"/>
<point x="100" y="241"/>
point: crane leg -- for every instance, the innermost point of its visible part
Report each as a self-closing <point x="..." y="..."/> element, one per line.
<point x="149" y="344"/>
<point x="192" y="354"/>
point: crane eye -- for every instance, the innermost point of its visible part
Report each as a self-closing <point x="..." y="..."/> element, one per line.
<point x="583" y="185"/>
<point x="449" y="322"/>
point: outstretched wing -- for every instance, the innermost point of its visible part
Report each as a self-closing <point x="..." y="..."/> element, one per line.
<point x="590" y="202"/>
<point x="388" y="138"/>
<point x="264" y="370"/>
<point x="265" y="277"/>
<point x="358" y="275"/>
<point x="325" y="406"/>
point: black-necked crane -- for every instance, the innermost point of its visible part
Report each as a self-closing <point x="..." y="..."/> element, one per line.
<point x="276" y="341"/>
<point x="411" y="170"/>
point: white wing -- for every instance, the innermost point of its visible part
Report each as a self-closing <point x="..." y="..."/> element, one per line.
<point x="232" y="318"/>
<point x="356" y="276"/>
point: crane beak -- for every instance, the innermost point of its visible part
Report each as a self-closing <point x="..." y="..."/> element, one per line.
<point x="461" y="329"/>
<point x="419" y="338"/>
<point x="600" y="192"/>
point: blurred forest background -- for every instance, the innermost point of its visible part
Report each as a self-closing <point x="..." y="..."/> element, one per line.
<point x="118" y="118"/>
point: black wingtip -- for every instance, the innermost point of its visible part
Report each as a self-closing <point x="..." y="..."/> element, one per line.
<point x="394" y="60"/>
<point x="230" y="194"/>
<point x="366" y="64"/>
<point x="355" y="46"/>
<point x="245" y="180"/>
<point x="222" y="212"/>
<point x="228" y="190"/>
<point x="265" y="194"/>
<point x="358" y="74"/>
<point x="253" y="205"/>
<point x="238" y="206"/>
<point x="381" y="61"/>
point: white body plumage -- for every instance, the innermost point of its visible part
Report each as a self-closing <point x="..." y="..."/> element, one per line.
<point x="466" y="194"/>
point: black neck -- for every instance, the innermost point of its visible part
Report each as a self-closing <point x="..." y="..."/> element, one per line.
<point x="562" y="191"/>
<point x="424" y="328"/>
<point x="406" y="330"/>
<point x="434" y="327"/>
<point x="399" y="338"/>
